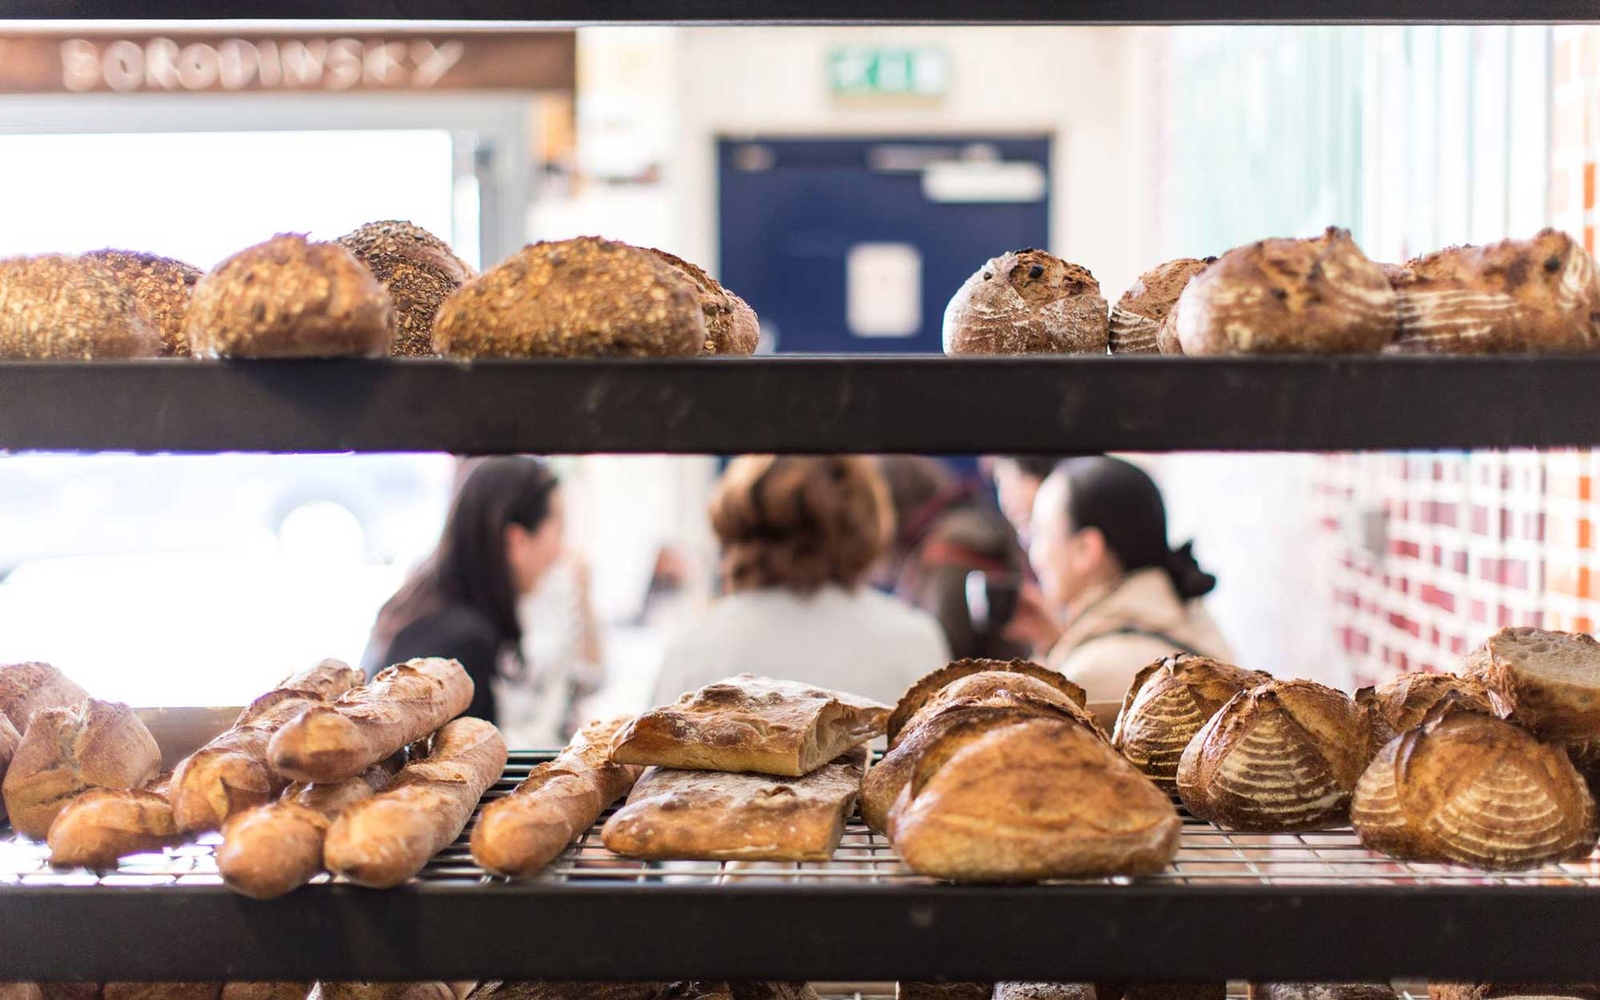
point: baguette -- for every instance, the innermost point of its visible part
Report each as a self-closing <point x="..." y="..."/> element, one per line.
<point x="10" y="739"/>
<point x="388" y="838"/>
<point x="401" y="705"/>
<point x="67" y="751"/>
<point x="230" y="774"/>
<point x="160" y="991"/>
<point x="276" y="848"/>
<point x="25" y="687"/>
<point x="265" y="991"/>
<point x="104" y="824"/>
<point x="519" y="834"/>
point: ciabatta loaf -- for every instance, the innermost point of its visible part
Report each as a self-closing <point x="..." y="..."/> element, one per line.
<point x="1546" y="682"/>
<point x="1167" y="704"/>
<point x="67" y="751"/>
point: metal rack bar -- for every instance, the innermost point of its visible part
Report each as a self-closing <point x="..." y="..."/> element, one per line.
<point x="864" y="404"/>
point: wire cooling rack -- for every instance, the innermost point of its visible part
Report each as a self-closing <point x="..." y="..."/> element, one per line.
<point x="1207" y="856"/>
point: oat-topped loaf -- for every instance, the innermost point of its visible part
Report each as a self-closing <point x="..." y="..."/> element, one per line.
<point x="586" y="297"/>
<point x="706" y="815"/>
<point x="162" y="286"/>
<point x="1538" y="295"/>
<point x="1027" y="302"/>
<point x="1314" y="296"/>
<point x="290" y="298"/>
<point x="1136" y="318"/>
<point x="731" y="325"/>
<point x="56" y="307"/>
<point x="749" y="723"/>
<point x="419" y="270"/>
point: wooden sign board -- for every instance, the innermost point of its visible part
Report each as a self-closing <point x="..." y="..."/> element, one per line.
<point x="192" y="63"/>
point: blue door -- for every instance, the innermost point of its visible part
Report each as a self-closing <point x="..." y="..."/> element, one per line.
<point x="855" y="245"/>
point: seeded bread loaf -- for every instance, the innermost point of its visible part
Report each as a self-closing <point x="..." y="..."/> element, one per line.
<point x="1027" y="302"/>
<point x="1137" y="317"/>
<point x="162" y="286"/>
<point x="55" y="307"/>
<point x="419" y="270"/>
<point x="731" y="325"/>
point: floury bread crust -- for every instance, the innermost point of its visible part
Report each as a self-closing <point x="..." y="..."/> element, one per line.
<point x="1027" y="302"/>
<point x="67" y="751"/>
<point x="1137" y="317"/>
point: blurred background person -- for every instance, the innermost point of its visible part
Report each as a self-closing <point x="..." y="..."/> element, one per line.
<point x="1105" y="570"/>
<point x="502" y="536"/>
<point x="798" y="535"/>
<point x="1016" y="481"/>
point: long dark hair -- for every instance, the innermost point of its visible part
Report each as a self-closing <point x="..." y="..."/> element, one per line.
<point x="468" y="566"/>
<point x="1125" y="505"/>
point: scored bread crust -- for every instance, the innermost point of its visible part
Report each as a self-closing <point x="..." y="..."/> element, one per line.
<point x="418" y="269"/>
<point x="60" y="307"/>
<point x="1167" y="704"/>
<point x="25" y="687"/>
<point x="1137" y="317"/>
<point x="749" y="723"/>
<point x="584" y="297"/>
<point x="1027" y="302"/>
<point x="162" y="287"/>
<point x="674" y="814"/>
<point x="1287" y="296"/>
<point x="1004" y="688"/>
<point x="518" y="834"/>
<point x="1278" y="757"/>
<point x="67" y="751"/>
<point x="926" y="688"/>
<point x="1034" y="800"/>
<point x="731" y="325"/>
<point x="105" y="824"/>
<point x="1401" y="703"/>
<point x="1551" y="707"/>
<point x="1469" y="788"/>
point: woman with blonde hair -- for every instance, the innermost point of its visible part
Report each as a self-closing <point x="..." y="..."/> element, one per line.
<point x="798" y="535"/>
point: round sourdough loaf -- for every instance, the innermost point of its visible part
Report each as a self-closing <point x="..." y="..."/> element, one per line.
<point x="56" y="307"/>
<point x="1540" y="295"/>
<point x="1469" y="788"/>
<point x="930" y="685"/>
<point x="1280" y="756"/>
<point x="731" y="325"/>
<point x="1137" y="317"/>
<point x="1402" y="702"/>
<point x="1312" y="296"/>
<point x="290" y="298"/>
<point x="419" y="270"/>
<point x="584" y="297"/>
<point x="1027" y="302"/>
<point x="1167" y="704"/>
<point x="162" y="286"/>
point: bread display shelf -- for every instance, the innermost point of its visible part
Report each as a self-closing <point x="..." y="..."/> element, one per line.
<point x="1327" y="907"/>
<point x="803" y="404"/>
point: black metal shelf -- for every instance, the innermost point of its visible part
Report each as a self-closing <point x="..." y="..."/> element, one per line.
<point x="798" y="404"/>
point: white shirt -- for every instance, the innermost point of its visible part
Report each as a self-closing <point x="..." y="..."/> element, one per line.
<point x="856" y="641"/>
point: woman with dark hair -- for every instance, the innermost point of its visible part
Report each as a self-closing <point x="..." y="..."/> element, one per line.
<point x="502" y="535"/>
<point x="1100" y="551"/>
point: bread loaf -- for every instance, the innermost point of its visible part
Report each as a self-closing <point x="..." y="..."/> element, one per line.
<point x="1046" y="991"/>
<point x="945" y="991"/>
<point x="701" y="815"/>
<point x="749" y="723"/>
<point x="1137" y="317"/>
<point x="1323" y="991"/>
<point x="100" y="826"/>
<point x="290" y="298"/>
<point x="1167" y="704"/>
<point x="1280" y="756"/>
<point x="381" y="991"/>
<point x="384" y="840"/>
<point x="231" y="773"/>
<point x="401" y="705"/>
<point x="1586" y="758"/>
<point x="1513" y="991"/>
<point x="162" y="287"/>
<point x="1175" y="991"/>
<point x="10" y="739"/>
<point x="568" y="990"/>
<point x="265" y="991"/>
<point x="277" y="848"/>
<point x="931" y="685"/>
<point x="731" y="325"/>
<point x="1316" y="296"/>
<point x="28" y="686"/>
<point x="60" y="308"/>
<point x="419" y="270"/>
<point x="1034" y="800"/>
<point x="1540" y="295"/>
<point x="1469" y="788"/>
<point x="1027" y="302"/>
<point x="67" y="751"/>
<point x="519" y="834"/>
<point x="161" y="991"/>
<point x="1402" y="702"/>
<point x="586" y="297"/>
<point x="1546" y="682"/>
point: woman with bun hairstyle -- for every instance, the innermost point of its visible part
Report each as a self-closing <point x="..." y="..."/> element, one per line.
<point x="1100" y="550"/>
<point x="798" y="535"/>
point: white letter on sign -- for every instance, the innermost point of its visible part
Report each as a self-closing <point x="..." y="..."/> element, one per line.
<point x="80" y="65"/>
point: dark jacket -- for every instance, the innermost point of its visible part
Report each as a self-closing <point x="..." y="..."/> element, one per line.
<point x="456" y="631"/>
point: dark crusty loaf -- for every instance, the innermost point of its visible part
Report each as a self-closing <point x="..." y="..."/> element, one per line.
<point x="1322" y="991"/>
<point x="162" y="286"/>
<point x="419" y="270"/>
<point x="731" y="325"/>
<point x="25" y="687"/>
<point x="1027" y="302"/>
<point x="1046" y="991"/>
<point x="1538" y="295"/>
<point x="1167" y="704"/>
<point x="1402" y="702"/>
<point x="66" y="751"/>
<point x="56" y="307"/>
<point x="585" y="297"/>
<point x="290" y="298"/>
<point x="1282" y="296"/>
<point x="1137" y="317"/>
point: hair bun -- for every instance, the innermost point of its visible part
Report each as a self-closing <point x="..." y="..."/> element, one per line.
<point x="1188" y="579"/>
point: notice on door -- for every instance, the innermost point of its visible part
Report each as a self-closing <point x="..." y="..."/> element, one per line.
<point x="883" y="290"/>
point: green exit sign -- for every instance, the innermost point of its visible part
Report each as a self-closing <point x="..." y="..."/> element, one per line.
<point x="863" y="71"/>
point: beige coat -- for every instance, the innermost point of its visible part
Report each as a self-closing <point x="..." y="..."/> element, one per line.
<point x="1103" y="662"/>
